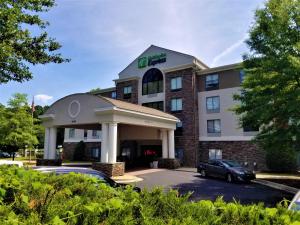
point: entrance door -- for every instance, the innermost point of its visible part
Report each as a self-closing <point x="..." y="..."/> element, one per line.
<point x="150" y="153"/>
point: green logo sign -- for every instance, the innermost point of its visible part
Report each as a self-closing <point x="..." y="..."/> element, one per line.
<point x="152" y="60"/>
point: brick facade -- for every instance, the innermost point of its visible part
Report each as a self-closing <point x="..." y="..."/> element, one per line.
<point x="110" y="169"/>
<point x="134" y="95"/>
<point x="241" y="151"/>
<point x="189" y="139"/>
<point x="69" y="148"/>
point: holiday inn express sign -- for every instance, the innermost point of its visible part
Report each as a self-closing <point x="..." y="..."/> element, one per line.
<point x="152" y="60"/>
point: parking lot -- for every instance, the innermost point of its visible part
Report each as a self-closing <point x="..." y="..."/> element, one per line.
<point x="209" y="188"/>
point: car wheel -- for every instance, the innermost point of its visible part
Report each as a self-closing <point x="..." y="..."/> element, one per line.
<point x="203" y="173"/>
<point x="229" y="178"/>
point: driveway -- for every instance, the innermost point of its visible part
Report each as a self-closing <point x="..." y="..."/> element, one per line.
<point x="209" y="188"/>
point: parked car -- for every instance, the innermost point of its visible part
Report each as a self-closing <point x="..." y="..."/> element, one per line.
<point x="4" y="155"/>
<point x="295" y="203"/>
<point x="87" y="171"/>
<point x="227" y="169"/>
<point x="10" y="162"/>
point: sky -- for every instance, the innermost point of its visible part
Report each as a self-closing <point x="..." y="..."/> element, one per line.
<point x="101" y="37"/>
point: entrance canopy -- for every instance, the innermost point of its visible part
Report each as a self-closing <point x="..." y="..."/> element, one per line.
<point x="84" y="110"/>
<point x="87" y="111"/>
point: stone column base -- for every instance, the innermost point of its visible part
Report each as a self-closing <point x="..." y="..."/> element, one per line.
<point x="48" y="162"/>
<point x="110" y="169"/>
<point x="169" y="163"/>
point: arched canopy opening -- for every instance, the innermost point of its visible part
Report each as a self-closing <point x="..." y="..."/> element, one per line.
<point x="153" y="82"/>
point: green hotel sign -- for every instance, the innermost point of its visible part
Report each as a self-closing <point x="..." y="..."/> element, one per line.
<point x="152" y="60"/>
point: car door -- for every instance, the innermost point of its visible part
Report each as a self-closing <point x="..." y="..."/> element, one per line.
<point x="219" y="170"/>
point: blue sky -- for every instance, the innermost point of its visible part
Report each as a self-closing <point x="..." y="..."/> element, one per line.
<point x="102" y="37"/>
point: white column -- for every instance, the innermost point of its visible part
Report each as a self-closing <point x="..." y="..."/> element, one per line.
<point x="171" y="144"/>
<point x="113" y="137"/>
<point x="104" y="143"/>
<point x="164" y="144"/>
<point x="52" y="143"/>
<point x="46" y="143"/>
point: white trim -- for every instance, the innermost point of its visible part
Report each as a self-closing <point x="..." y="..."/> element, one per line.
<point x="109" y="109"/>
<point x="70" y="140"/>
<point x="226" y="138"/>
<point x="126" y="79"/>
<point x="105" y="109"/>
<point x="180" y="67"/>
<point x="47" y="116"/>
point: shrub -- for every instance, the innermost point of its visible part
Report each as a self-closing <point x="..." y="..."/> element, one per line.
<point x="28" y="197"/>
<point x="281" y="160"/>
<point x="79" y="151"/>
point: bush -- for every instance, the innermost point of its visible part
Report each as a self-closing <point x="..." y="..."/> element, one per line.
<point x="79" y="151"/>
<point x="281" y="160"/>
<point x="28" y="197"/>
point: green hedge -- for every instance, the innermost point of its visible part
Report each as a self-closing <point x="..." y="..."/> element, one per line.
<point x="28" y="197"/>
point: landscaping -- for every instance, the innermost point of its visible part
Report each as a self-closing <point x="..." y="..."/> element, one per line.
<point x="29" y="197"/>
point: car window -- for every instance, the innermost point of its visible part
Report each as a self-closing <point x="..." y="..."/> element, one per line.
<point x="231" y="164"/>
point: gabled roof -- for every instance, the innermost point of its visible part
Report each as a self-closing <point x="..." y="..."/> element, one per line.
<point x="138" y="108"/>
<point x="192" y="59"/>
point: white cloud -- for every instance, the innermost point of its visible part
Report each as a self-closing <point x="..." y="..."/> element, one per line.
<point x="43" y="99"/>
<point x="229" y="50"/>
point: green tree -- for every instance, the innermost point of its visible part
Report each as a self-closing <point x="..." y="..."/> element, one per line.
<point x="18" y="46"/>
<point x="270" y="96"/>
<point x="17" y="127"/>
<point x="95" y="90"/>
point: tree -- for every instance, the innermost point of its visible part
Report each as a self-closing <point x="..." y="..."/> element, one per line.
<point x="18" y="46"/>
<point x="95" y="90"/>
<point x="17" y="127"/>
<point x="270" y="96"/>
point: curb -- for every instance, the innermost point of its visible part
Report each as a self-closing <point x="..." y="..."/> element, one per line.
<point x="277" y="186"/>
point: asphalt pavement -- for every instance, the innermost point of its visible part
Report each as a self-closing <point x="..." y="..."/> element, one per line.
<point x="211" y="188"/>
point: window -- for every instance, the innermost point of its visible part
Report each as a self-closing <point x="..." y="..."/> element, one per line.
<point x="95" y="153"/>
<point x="213" y="104"/>
<point x="212" y="82"/>
<point x="114" y="94"/>
<point x="176" y="83"/>
<point x="213" y="126"/>
<point x="176" y="104"/>
<point x="214" y="154"/>
<point x="178" y="131"/>
<point x="127" y="92"/>
<point x="95" y="134"/>
<point x="85" y="134"/>
<point x="71" y="133"/>
<point x="155" y="105"/>
<point x="152" y="82"/>
<point x="242" y="76"/>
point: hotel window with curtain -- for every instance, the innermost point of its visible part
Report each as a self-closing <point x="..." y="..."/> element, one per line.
<point x="215" y="154"/>
<point x="71" y="133"/>
<point x="127" y="92"/>
<point x="213" y="104"/>
<point x="213" y="126"/>
<point x="176" y="83"/>
<point x="114" y="94"/>
<point x="176" y="104"/>
<point x="212" y="82"/>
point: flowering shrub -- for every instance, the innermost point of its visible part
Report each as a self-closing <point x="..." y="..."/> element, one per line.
<point x="29" y="197"/>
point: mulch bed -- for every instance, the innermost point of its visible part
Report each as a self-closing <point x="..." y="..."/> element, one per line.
<point x="289" y="182"/>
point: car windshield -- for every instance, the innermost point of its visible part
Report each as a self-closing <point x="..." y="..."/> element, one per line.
<point x="296" y="206"/>
<point x="231" y="163"/>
